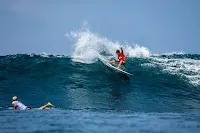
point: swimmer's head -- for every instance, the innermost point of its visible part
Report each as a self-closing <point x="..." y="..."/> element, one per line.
<point x="14" y="98"/>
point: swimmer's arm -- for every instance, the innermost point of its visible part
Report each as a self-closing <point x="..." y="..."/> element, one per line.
<point x="15" y="105"/>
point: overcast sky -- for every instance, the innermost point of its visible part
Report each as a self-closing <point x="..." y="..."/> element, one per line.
<point x="35" y="26"/>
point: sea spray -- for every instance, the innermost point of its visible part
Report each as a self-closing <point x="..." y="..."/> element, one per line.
<point x="88" y="46"/>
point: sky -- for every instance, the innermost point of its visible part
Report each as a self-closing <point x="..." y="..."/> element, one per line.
<point x="35" y="26"/>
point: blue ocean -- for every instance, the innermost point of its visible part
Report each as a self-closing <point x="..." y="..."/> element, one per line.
<point x="162" y="96"/>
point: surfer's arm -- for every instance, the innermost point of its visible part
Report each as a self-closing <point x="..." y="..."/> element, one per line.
<point x="122" y="51"/>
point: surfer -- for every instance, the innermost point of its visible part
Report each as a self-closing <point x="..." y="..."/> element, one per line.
<point x="20" y="106"/>
<point x="121" y="58"/>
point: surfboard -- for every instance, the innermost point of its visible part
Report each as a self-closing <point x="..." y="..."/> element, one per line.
<point x="105" y="62"/>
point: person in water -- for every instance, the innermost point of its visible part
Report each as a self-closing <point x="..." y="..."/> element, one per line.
<point x="121" y="58"/>
<point x="20" y="106"/>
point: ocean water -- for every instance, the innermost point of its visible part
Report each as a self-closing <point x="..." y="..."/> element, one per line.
<point x="58" y="120"/>
<point x="162" y="96"/>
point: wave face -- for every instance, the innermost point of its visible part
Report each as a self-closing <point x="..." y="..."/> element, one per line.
<point x="162" y="83"/>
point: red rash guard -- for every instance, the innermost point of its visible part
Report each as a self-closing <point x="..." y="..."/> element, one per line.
<point x="121" y="57"/>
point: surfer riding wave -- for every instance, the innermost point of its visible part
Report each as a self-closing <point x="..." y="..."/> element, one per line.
<point x="121" y="58"/>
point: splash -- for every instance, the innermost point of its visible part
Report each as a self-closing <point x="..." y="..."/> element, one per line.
<point x="170" y="53"/>
<point x="88" y="46"/>
<point x="184" y="67"/>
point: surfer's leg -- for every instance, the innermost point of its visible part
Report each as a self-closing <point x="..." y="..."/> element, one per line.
<point x="112" y="62"/>
<point x="47" y="105"/>
<point x="120" y="63"/>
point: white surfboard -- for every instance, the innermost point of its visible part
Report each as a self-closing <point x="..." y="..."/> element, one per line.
<point x="105" y="62"/>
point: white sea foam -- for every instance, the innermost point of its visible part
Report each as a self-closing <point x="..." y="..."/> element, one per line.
<point x="45" y="55"/>
<point x="185" y="67"/>
<point x="89" y="46"/>
<point x="170" y="53"/>
<point x="48" y="55"/>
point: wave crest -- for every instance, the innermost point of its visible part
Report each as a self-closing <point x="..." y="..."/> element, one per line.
<point x="89" y="46"/>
